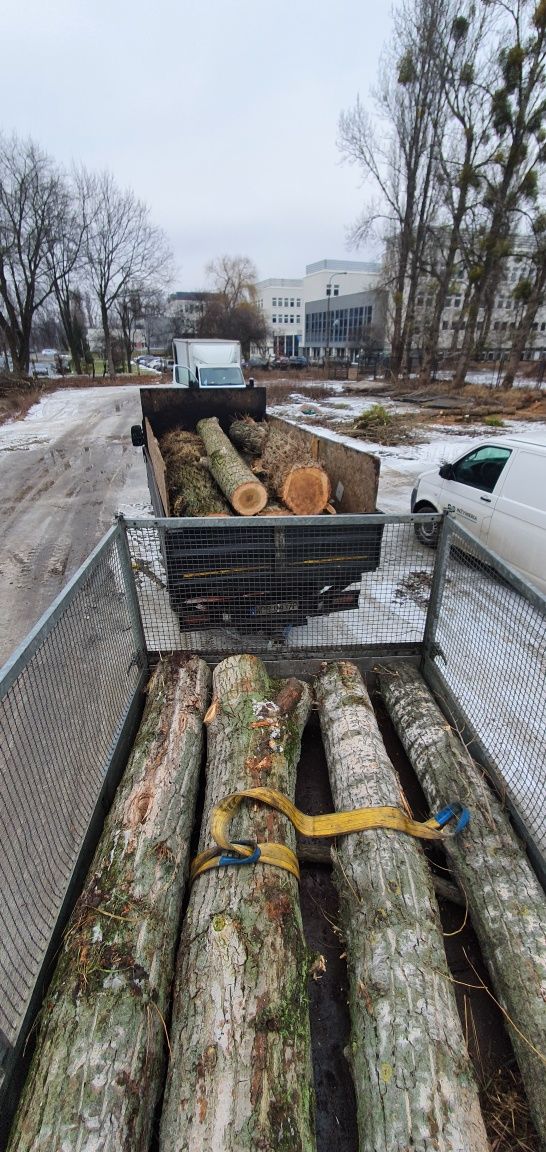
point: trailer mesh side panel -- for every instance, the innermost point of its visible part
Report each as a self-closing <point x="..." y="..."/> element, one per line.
<point x="329" y="583"/>
<point x="487" y="647"/>
<point x="61" y="714"/>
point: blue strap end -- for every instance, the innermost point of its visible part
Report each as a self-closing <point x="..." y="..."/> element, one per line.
<point x="450" y="812"/>
<point x="232" y="859"/>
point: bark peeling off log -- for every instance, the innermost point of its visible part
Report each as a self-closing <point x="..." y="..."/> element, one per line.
<point x="97" y="1072"/>
<point x="507" y="904"/>
<point x="414" y="1083"/>
<point x="240" y="1071"/>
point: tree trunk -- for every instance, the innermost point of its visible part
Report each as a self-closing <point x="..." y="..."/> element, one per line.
<point x="294" y="476"/>
<point x="248" y="435"/>
<point x="109" y="357"/>
<point x="98" y="1068"/>
<point x="523" y="332"/>
<point x="240" y="1075"/>
<point x="413" y="1079"/>
<point x="507" y="904"/>
<point x="192" y="491"/>
<point x="237" y="482"/>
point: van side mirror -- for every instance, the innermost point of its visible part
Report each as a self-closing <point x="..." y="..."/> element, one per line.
<point x="447" y="472"/>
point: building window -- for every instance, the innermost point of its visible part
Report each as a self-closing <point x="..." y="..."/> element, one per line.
<point x="448" y="302"/>
<point x="457" y="303"/>
<point x="291" y="319"/>
<point x="273" y="319"/>
<point x="274" y="302"/>
<point x="420" y="300"/>
<point x="445" y="324"/>
<point x="336" y="289"/>
<point x="286" y="319"/>
<point x="298" y="303"/>
<point x="298" y="319"/>
<point x="292" y="302"/>
<point x="286" y="302"/>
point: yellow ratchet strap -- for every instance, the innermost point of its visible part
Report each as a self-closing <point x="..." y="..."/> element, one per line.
<point x="227" y="852"/>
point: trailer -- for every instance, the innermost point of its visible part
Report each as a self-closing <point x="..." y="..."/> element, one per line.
<point x="71" y="699"/>
<point x="215" y="568"/>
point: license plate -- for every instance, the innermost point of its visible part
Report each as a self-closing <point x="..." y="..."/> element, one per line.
<point x="276" y="609"/>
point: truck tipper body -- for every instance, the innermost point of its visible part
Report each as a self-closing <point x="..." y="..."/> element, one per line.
<point x="207" y="364"/>
<point x="215" y="568"/>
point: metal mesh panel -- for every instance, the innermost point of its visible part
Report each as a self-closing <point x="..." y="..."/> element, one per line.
<point x="487" y="643"/>
<point x="323" y="584"/>
<point x="63" y="702"/>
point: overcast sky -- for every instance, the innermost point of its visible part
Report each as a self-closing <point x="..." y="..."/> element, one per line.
<point x="221" y="115"/>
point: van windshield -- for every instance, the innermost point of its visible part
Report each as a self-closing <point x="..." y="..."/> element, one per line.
<point x="482" y="467"/>
<point x="231" y="377"/>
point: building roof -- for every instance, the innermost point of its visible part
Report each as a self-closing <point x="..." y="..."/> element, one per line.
<point x="342" y="265"/>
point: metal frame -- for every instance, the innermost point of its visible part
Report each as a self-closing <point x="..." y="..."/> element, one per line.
<point x="424" y="654"/>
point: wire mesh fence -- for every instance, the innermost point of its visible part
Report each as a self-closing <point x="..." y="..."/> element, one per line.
<point x="486" y="644"/>
<point x="315" y="586"/>
<point x="345" y="585"/>
<point x="62" y="709"/>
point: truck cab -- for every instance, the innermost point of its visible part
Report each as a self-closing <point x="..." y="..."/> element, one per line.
<point x="207" y="364"/>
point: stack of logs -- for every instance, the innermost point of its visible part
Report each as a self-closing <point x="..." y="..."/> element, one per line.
<point x="257" y="471"/>
<point x="238" y="1049"/>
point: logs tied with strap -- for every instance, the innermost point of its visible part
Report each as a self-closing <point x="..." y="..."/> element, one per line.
<point x="232" y="852"/>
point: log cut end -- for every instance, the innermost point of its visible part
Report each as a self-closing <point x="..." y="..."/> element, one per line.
<point x="306" y="490"/>
<point x="249" y="498"/>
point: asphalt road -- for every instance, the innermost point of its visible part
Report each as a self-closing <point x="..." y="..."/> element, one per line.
<point x="64" y="473"/>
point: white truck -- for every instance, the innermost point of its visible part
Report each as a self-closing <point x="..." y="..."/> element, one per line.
<point x="207" y="364"/>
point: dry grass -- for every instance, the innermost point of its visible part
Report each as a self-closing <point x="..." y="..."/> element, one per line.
<point x="280" y="391"/>
<point x="506" y="1113"/>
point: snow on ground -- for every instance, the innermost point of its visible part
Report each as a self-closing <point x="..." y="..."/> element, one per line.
<point x="401" y="464"/>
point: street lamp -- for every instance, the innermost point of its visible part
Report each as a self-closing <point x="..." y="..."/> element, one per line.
<point x="328" y="298"/>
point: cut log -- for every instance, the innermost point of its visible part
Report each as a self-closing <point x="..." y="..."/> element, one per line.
<point x="293" y="475"/>
<point x="99" y="1063"/>
<point x="248" y="435"/>
<point x="274" y="509"/>
<point x="193" y="492"/>
<point x="413" y="1079"/>
<point x="506" y="902"/>
<point x="240" y="1074"/>
<point x="245" y="493"/>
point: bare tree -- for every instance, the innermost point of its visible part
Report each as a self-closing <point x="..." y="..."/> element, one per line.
<point x="511" y="183"/>
<point x="31" y="195"/>
<point x="400" y="157"/>
<point x="124" y="250"/>
<point x="66" y="260"/>
<point x="234" y="278"/>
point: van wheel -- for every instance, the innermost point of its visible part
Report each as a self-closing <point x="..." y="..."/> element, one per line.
<point x="427" y="533"/>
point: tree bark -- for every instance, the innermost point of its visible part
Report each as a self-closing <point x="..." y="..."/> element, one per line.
<point x="413" y="1078"/>
<point x="97" y="1071"/>
<point x="240" y="1074"/>
<point x="192" y="491"/>
<point x="507" y="904"/>
<point x="294" y="476"/>
<point x="108" y="354"/>
<point x="248" y="435"/>
<point x="245" y="493"/>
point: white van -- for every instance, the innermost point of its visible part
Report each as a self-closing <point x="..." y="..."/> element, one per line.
<point x="498" y="492"/>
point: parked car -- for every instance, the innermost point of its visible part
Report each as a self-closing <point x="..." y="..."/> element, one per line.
<point x="299" y="362"/>
<point x="280" y="362"/>
<point x="497" y="491"/>
<point x="258" y="362"/>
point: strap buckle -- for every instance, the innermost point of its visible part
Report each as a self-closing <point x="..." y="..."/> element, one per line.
<point x="449" y="813"/>
<point x="233" y="859"/>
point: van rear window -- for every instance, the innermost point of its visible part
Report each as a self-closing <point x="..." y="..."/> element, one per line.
<point x="482" y="467"/>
